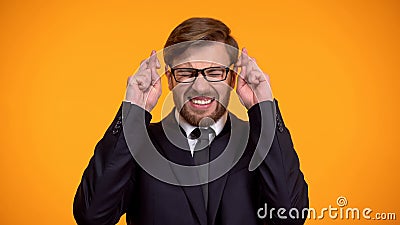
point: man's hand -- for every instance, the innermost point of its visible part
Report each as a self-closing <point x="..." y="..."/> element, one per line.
<point x="252" y="84"/>
<point x="144" y="88"/>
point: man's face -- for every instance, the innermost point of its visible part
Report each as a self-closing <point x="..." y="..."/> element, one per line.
<point x="202" y="99"/>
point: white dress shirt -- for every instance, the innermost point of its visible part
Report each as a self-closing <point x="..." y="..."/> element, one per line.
<point x="217" y="127"/>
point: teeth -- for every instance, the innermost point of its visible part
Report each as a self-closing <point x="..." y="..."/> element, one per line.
<point x="201" y="102"/>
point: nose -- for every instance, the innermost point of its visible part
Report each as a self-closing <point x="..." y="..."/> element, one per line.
<point x="201" y="85"/>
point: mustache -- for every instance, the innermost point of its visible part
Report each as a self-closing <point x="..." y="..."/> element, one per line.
<point x="191" y="94"/>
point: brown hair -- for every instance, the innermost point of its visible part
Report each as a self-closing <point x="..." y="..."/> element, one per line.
<point x="199" y="28"/>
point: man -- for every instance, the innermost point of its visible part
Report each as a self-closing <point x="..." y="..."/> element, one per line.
<point x="200" y="164"/>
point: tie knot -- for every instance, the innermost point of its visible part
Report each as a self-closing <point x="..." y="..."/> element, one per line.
<point x="201" y="133"/>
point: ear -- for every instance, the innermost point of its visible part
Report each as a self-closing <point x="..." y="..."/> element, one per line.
<point x="170" y="80"/>
<point x="232" y="79"/>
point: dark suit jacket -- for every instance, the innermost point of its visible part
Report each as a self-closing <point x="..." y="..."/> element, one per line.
<point x="114" y="183"/>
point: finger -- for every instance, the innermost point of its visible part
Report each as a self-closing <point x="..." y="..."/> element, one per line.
<point x="145" y="62"/>
<point x="143" y="80"/>
<point x="240" y="83"/>
<point x="157" y="86"/>
<point x="256" y="76"/>
<point x="254" y="73"/>
<point x="236" y="66"/>
<point x="255" y="65"/>
<point x="267" y="78"/>
<point x="251" y="64"/>
<point x="253" y="78"/>
<point x="135" y="81"/>
<point x="244" y="73"/>
<point x="152" y="59"/>
<point x="153" y="66"/>
<point x="143" y="65"/>
<point x="261" y="75"/>
<point x="129" y="80"/>
<point x="154" y="76"/>
<point x="239" y="61"/>
<point x="245" y="70"/>
<point x="158" y="65"/>
<point x="245" y="57"/>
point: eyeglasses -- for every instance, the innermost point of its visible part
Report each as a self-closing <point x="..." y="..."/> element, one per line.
<point x="189" y="75"/>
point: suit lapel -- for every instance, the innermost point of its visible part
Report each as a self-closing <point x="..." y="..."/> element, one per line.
<point x="224" y="142"/>
<point x="176" y="153"/>
<point x="217" y="186"/>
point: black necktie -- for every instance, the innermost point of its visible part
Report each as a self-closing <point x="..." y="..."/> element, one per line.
<point x="202" y="155"/>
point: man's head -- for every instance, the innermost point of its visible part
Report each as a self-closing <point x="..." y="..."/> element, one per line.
<point x="204" y="44"/>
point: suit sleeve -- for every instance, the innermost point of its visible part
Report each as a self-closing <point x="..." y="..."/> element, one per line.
<point x="108" y="182"/>
<point x="281" y="181"/>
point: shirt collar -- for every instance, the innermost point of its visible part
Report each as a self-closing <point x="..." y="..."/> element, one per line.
<point x="188" y="128"/>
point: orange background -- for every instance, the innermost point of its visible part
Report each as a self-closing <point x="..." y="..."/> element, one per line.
<point x="334" y="67"/>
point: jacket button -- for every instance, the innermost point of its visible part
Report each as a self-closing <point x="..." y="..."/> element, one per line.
<point x="279" y="124"/>
<point x="280" y="128"/>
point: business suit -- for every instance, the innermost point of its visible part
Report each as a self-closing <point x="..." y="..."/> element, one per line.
<point x="114" y="183"/>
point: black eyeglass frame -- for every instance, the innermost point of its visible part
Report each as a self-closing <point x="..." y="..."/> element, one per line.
<point x="202" y="71"/>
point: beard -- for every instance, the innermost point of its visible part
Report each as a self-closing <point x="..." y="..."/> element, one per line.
<point x="197" y="119"/>
<point x="220" y="93"/>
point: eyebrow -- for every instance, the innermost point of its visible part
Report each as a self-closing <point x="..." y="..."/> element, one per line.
<point x="191" y="65"/>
